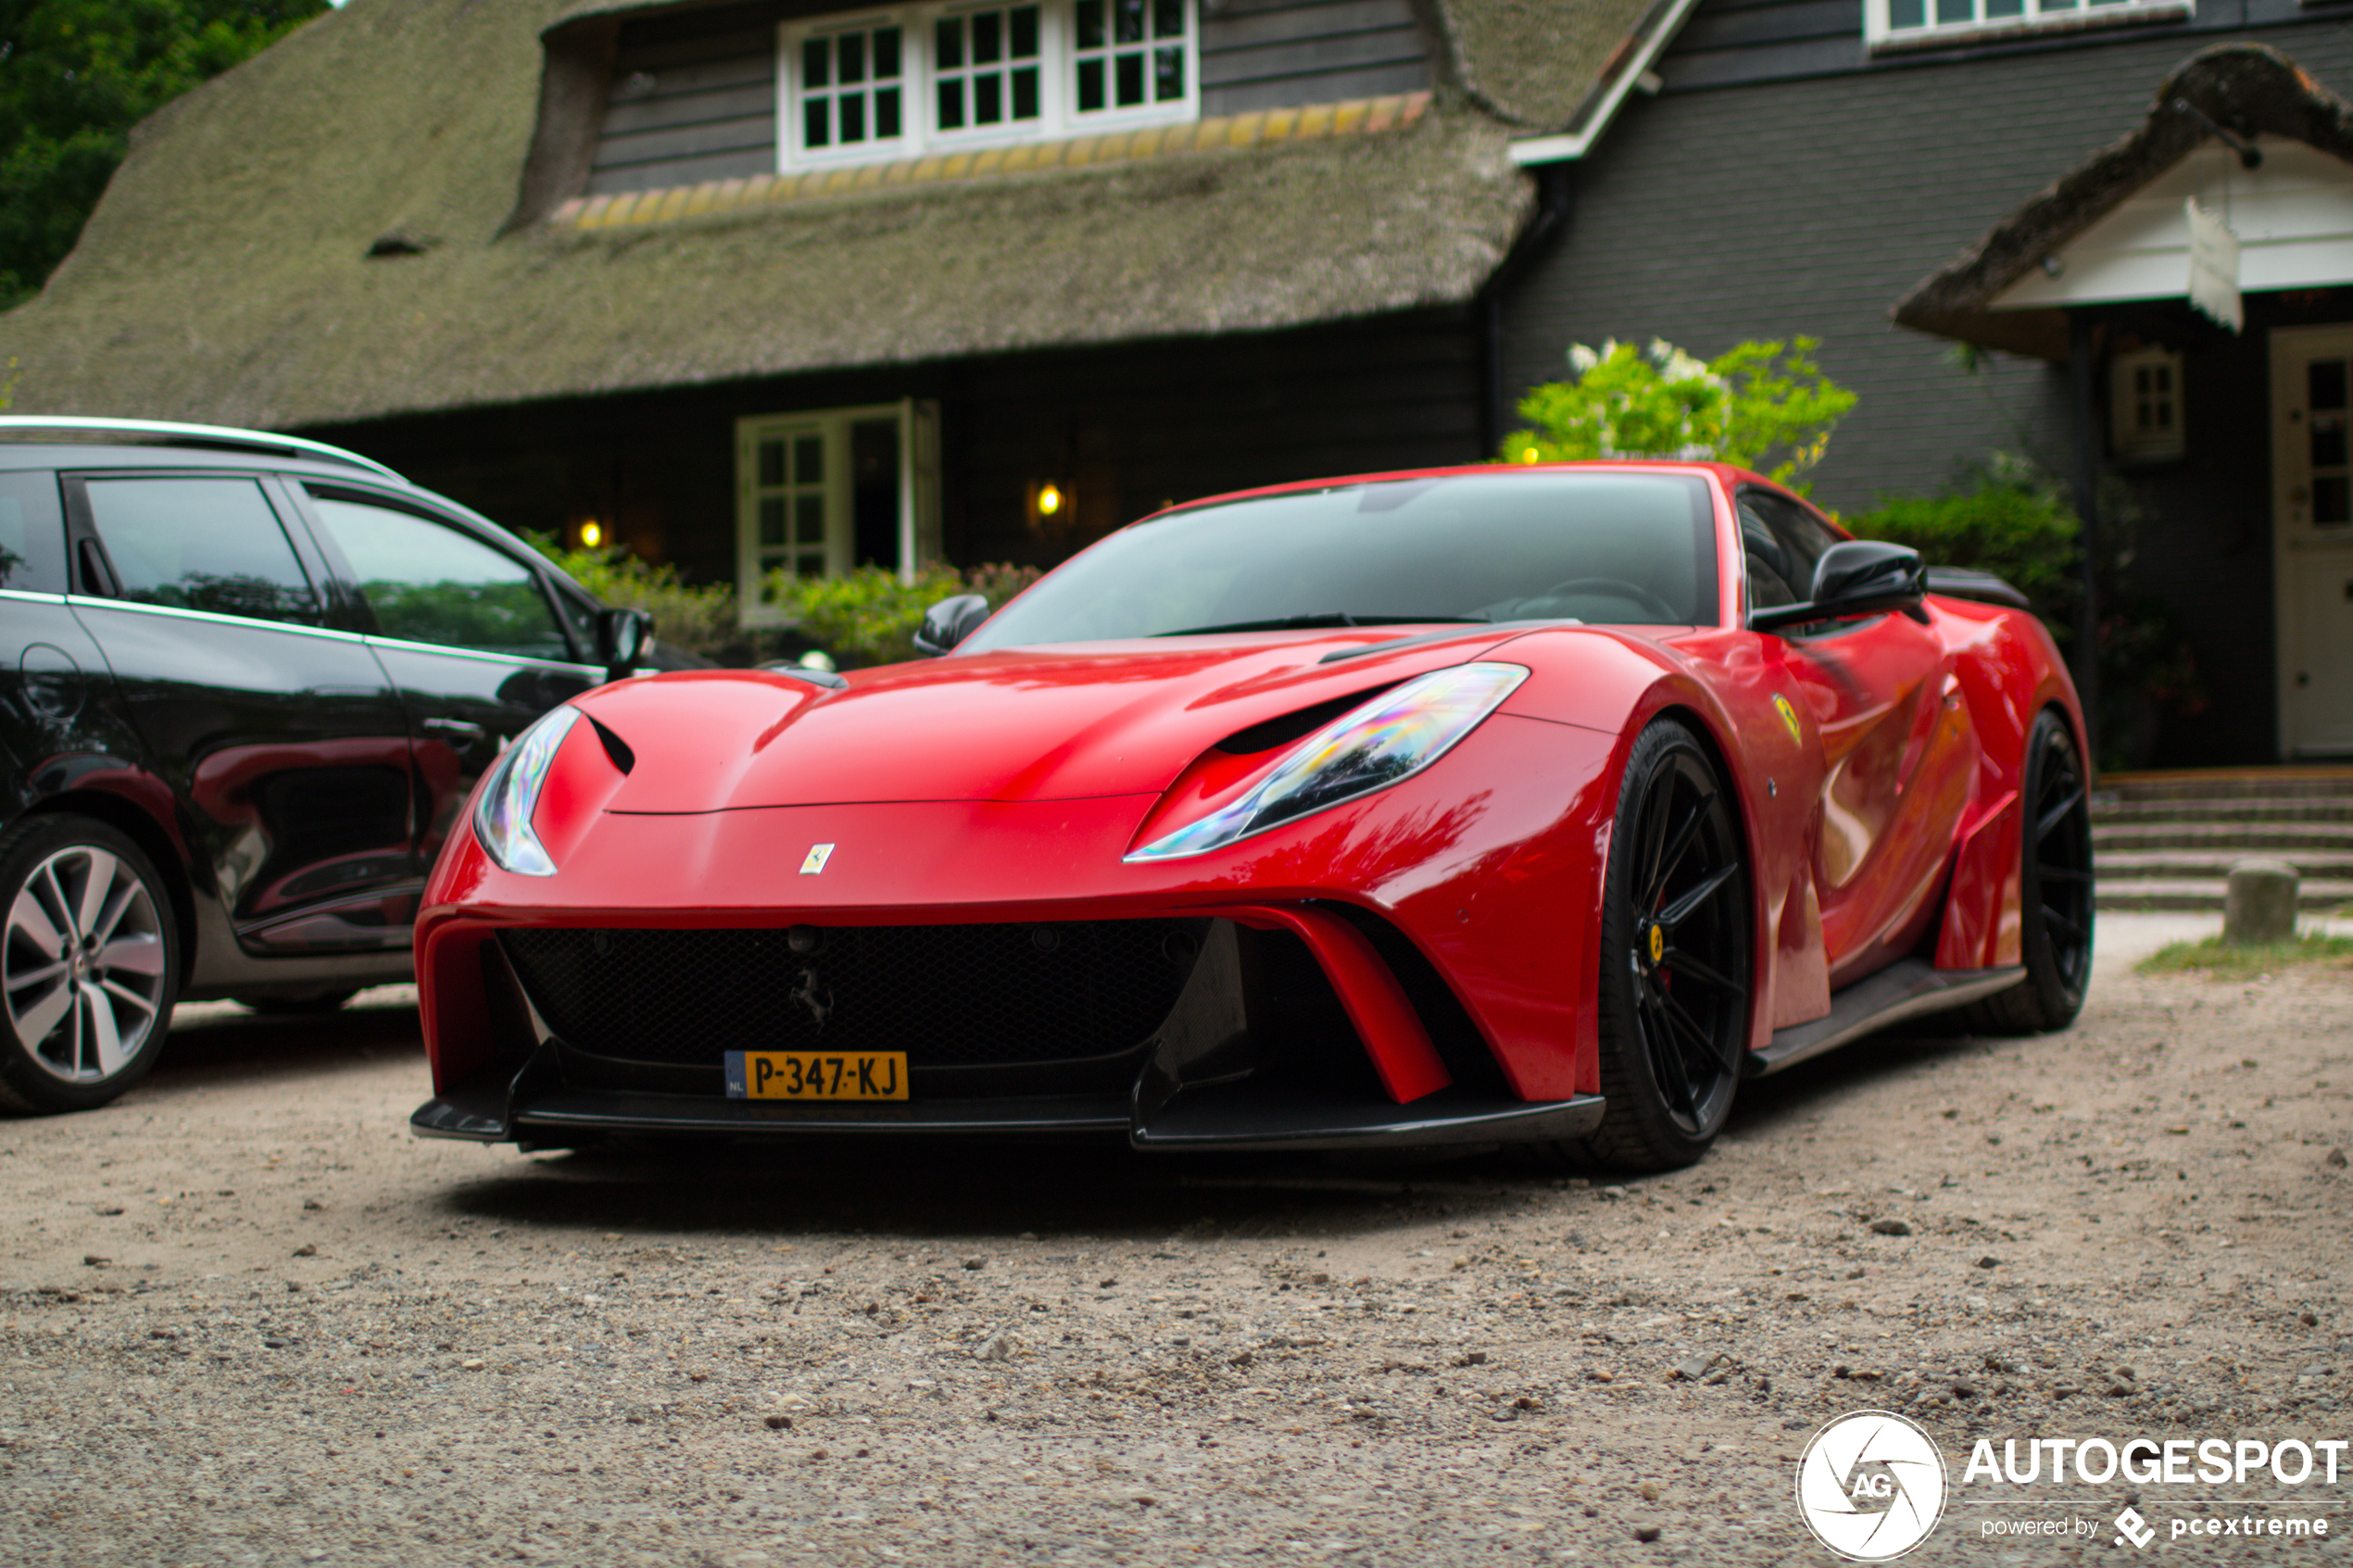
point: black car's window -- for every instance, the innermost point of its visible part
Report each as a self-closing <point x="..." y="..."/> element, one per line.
<point x="1635" y="549"/>
<point x="427" y="583"/>
<point x="1797" y="537"/>
<point x="32" y="533"/>
<point x="200" y="543"/>
<point x="580" y="612"/>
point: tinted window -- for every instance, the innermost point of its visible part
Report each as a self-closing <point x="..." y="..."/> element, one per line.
<point x="32" y="533"/>
<point x="1631" y="548"/>
<point x="427" y="583"/>
<point x="200" y="543"/>
<point x="1796" y="539"/>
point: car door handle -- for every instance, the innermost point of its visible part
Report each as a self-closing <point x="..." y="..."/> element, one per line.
<point x="458" y="730"/>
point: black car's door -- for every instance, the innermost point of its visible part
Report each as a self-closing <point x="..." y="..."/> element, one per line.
<point x="278" y="734"/>
<point x="467" y="630"/>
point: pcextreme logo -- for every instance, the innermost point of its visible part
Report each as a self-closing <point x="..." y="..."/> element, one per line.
<point x="1870" y="1486"/>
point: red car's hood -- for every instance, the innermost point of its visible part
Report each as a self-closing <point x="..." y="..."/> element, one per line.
<point x="1054" y="723"/>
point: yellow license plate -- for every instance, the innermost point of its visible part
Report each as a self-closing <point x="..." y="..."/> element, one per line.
<point x="816" y="1074"/>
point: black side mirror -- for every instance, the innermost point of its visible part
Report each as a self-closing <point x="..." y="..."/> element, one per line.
<point x="622" y="636"/>
<point x="949" y="623"/>
<point x="1859" y="577"/>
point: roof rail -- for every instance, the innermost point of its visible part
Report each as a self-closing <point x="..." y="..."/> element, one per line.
<point x="196" y="435"/>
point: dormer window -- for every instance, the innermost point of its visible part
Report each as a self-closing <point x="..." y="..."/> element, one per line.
<point x="1892" y="24"/>
<point x="889" y="84"/>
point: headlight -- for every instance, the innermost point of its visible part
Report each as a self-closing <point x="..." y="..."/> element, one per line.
<point x="1388" y="739"/>
<point x="502" y="812"/>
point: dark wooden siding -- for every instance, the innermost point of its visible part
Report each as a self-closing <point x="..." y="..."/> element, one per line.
<point x="682" y="110"/>
<point x="1811" y="206"/>
<point x="1729" y="41"/>
<point x="695" y="99"/>
<point x="1125" y="429"/>
<point x="1272" y="54"/>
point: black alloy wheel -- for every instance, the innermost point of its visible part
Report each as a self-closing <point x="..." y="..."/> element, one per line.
<point x="2055" y="889"/>
<point x="89" y="964"/>
<point x="1675" y="959"/>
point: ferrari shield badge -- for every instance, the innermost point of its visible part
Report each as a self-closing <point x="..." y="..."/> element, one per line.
<point x="1788" y="715"/>
<point x="815" y="862"/>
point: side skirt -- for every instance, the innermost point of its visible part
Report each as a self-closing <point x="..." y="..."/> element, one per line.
<point x="1907" y="988"/>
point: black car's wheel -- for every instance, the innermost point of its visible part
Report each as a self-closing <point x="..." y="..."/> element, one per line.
<point x="1674" y="980"/>
<point x="297" y="1007"/>
<point x="88" y="964"/>
<point x="2055" y="890"/>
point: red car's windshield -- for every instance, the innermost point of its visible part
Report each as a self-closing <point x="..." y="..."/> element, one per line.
<point x="1604" y="548"/>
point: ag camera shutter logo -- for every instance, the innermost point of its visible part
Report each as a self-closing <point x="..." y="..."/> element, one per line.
<point x="1872" y="1485"/>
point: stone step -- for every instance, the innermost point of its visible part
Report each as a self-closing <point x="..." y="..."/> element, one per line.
<point x="2263" y="809"/>
<point x="2204" y="837"/>
<point x="2175" y="864"/>
<point x="2314" y="898"/>
<point x="2229" y="783"/>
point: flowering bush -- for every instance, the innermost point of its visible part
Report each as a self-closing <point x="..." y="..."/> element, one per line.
<point x="1754" y="400"/>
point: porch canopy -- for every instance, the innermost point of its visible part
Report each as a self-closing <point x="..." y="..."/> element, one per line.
<point x="2116" y="227"/>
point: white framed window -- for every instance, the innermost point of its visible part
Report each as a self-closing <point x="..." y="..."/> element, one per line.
<point x="853" y="95"/>
<point x="915" y="78"/>
<point x="1905" y="22"/>
<point x="822" y="491"/>
<point x="2144" y="406"/>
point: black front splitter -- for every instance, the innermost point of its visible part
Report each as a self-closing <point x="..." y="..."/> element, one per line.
<point x="1202" y="1121"/>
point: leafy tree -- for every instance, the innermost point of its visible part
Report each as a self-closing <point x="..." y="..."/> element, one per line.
<point x="75" y="76"/>
<point x="1750" y="402"/>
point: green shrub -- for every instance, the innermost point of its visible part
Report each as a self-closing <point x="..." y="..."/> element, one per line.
<point x="870" y="617"/>
<point x="2011" y="520"/>
<point x="2014" y="519"/>
<point x="702" y="620"/>
<point x="1748" y="403"/>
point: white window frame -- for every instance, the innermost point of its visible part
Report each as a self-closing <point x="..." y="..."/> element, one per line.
<point x="918" y="495"/>
<point x="2036" y="15"/>
<point x="920" y="132"/>
<point x="2128" y="441"/>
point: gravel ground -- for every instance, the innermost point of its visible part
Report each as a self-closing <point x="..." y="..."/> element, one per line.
<point x="245" y="1318"/>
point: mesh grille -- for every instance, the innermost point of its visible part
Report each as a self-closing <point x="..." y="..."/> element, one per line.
<point x="949" y="996"/>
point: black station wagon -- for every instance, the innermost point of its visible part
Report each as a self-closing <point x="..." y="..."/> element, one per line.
<point x="247" y="683"/>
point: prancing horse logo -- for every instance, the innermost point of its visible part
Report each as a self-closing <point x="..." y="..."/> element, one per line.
<point x="818" y="855"/>
<point x="815" y="997"/>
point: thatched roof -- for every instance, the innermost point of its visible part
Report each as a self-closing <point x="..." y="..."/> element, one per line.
<point x="2247" y="88"/>
<point x="228" y="275"/>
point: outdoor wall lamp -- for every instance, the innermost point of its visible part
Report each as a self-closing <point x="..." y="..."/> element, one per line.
<point x="1048" y="502"/>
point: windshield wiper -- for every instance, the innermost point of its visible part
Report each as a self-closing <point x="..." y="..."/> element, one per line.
<point x="1327" y="618"/>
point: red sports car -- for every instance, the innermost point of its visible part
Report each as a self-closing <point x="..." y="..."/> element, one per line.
<point x="1499" y="804"/>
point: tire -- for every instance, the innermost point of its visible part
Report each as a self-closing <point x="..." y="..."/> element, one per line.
<point x="297" y="1007"/>
<point x="1676" y="940"/>
<point x="89" y="964"/>
<point x="2055" y="890"/>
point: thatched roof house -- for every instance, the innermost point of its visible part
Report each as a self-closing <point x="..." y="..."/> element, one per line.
<point x="384" y="215"/>
<point x="570" y="258"/>
<point x="2222" y="104"/>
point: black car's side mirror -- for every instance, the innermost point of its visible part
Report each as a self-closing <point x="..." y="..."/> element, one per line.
<point x="622" y="635"/>
<point x="949" y="623"/>
<point x="1859" y="577"/>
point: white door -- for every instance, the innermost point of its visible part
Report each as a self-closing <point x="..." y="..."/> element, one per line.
<point x="2312" y="511"/>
